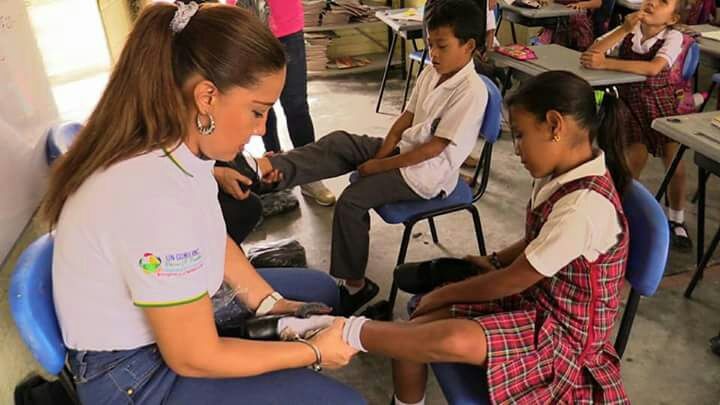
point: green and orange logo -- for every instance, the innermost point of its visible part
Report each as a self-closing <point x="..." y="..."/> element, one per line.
<point x="150" y="263"/>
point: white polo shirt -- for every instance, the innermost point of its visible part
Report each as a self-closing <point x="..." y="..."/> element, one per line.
<point x="670" y="50"/>
<point x="144" y="232"/>
<point x="454" y="111"/>
<point x="582" y="223"/>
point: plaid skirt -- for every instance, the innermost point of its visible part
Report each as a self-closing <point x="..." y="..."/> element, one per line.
<point x="529" y="363"/>
<point x="578" y="34"/>
<point x="647" y="103"/>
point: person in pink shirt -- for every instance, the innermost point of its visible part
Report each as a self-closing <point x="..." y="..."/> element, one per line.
<point x="286" y="20"/>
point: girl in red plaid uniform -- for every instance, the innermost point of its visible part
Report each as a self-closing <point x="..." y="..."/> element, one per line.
<point x="539" y="315"/>
<point x="578" y="32"/>
<point x="647" y="44"/>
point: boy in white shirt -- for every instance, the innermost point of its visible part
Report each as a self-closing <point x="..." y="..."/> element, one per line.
<point x="419" y="158"/>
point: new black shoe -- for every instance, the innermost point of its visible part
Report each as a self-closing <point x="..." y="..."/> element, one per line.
<point x="423" y="277"/>
<point x="679" y="237"/>
<point x="350" y="303"/>
<point x="260" y="328"/>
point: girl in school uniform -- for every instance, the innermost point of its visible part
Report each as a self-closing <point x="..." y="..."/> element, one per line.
<point x="647" y="44"/>
<point x="578" y="34"/>
<point x="540" y="315"/>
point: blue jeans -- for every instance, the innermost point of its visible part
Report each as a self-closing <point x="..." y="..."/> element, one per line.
<point x="140" y="376"/>
<point x="293" y="98"/>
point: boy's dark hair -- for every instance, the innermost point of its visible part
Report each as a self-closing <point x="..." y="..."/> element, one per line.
<point x="571" y="95"/>
<point x="467" y="18"/>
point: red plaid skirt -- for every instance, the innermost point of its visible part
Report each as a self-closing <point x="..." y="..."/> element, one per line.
<point x="651" y="99"/>
<point x="546" y="350"/>
<point x="578" y="34"/>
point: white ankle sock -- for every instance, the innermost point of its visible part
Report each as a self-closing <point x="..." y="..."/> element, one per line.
<point x="351" y="332"/>
<point x="352" y="289"/>
<point x="399" y="402"/>
<point x="676" y="215"/>
<point x="301" y="326"/>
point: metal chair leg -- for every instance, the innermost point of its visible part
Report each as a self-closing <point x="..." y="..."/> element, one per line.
<point x="391" y="52"/>
<point x="433" y="230"/>
<point x="710" y="90"/>
<point x="478" y="229"/>
<point x="400" y="260"/>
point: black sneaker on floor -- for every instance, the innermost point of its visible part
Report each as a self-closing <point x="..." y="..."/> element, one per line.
<point x="350" y="303"/>
<point x="679" y="237"/>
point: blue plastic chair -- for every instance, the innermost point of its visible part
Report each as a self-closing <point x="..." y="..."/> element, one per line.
<point x="59" y="138"/>
<point x="33" y="309"/>
<point x="649" y="241"/>
<point x="463" y="197"/>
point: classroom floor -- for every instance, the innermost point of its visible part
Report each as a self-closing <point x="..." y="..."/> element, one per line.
<point x="667" y="361"/>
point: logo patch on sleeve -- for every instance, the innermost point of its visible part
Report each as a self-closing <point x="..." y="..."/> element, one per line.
<point x="172" y="265"/>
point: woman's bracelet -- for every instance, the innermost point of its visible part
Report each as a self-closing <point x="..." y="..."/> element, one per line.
<point x="318" y="356"/>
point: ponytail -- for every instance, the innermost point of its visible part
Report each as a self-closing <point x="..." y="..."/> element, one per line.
<point x="602" y="114"/>
<point x="610" y="137"/>
<point x="142" y="108"/>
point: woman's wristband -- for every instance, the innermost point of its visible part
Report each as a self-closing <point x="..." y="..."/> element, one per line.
<point x="318" y="356"/>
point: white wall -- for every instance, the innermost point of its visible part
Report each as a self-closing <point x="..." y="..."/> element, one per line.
<point x="26" y="109"/>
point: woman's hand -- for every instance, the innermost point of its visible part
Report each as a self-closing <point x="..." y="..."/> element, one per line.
<point x="270" y="175"/>
<point x="285" y="306"/>
<point x="593" y="60"/>
<point x="335" y="352"/>
<point x="372" y="166"/>
<point x="577" y="6"/>
<point x="230" y="179"/>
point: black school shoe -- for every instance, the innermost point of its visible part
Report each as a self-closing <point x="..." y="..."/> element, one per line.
<point x="350" y="303"/>
<point x="679" y="240"/>
<point x="423" y="277"/>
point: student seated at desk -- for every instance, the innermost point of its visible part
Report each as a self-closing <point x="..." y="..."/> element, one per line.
<point x="420" y="157"/>
<point x="578" y="34"/>
<point x="540" y="314"/>
<point x="647" y="44"/>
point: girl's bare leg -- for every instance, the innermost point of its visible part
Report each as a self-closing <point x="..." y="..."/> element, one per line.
<point x="677" y="187"/>
<point x="432" y="338"/>
<point x="410" y="377"/>
<point x="637" y="157"/>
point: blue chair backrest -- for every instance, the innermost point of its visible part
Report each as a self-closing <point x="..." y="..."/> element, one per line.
<point x="59" y="138"/>
<point x="692" y="60"/>
<point x="649" y="239"/>
<point x="32" y="306"/>
<point x="490" y="128"/>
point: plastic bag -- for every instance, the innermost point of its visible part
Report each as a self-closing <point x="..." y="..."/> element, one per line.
<point x="280" y="253"/>
<point x="278" y="203"/>
<point x="226" y="307"/>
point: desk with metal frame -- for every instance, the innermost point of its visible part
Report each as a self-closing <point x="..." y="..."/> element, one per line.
<point x="409" y="30"/>
<point x="549" y="15"/>
<point x="696" y="132"/>
<point x="557" y="57"/>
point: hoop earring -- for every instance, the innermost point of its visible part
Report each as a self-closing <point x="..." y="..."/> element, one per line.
<point x="205" y="130"/>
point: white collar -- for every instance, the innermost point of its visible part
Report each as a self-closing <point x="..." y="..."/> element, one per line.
<point x="546" y="186"/>
<point x="457" y="78"/>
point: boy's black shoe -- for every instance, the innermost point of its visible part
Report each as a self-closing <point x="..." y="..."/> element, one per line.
<point x="350" y="303"/>
<point x="679" y="238"/>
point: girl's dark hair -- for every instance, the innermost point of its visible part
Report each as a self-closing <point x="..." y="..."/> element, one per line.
<point x="467" y="18"/>
<point x="569" y="94"/>
<point x="143" y="108"/>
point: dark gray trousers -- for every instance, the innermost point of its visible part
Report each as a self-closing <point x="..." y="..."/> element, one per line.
<point x="333" y="155"/>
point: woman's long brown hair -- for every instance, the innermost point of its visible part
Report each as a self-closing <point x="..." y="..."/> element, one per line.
<point x="142" y="108"/>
